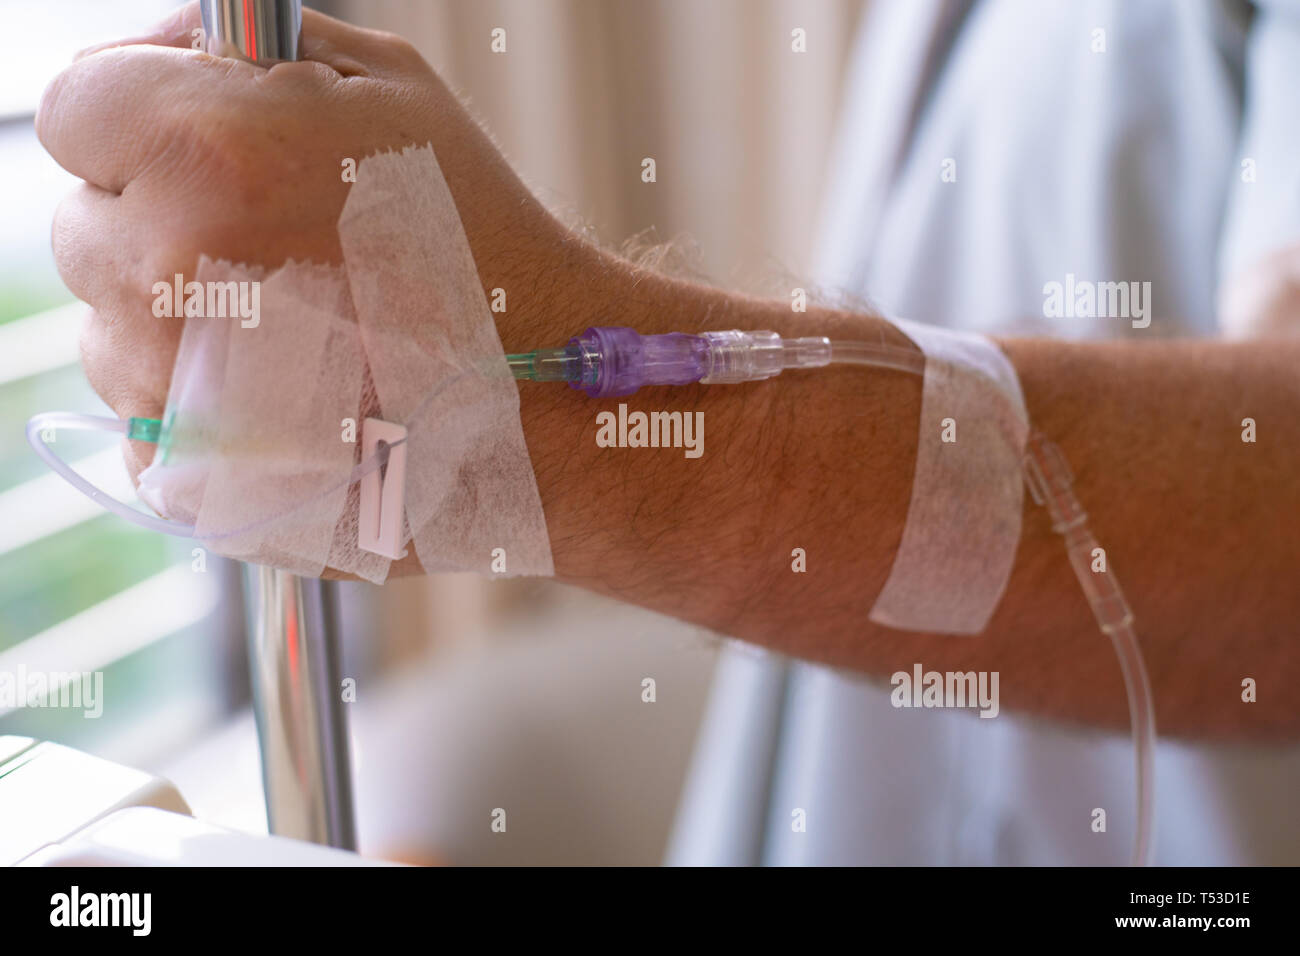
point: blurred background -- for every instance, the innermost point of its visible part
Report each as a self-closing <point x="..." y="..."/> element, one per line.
<point x="463" y="705"/>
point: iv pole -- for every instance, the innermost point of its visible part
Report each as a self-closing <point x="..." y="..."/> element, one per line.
<point x="293" y="636"/>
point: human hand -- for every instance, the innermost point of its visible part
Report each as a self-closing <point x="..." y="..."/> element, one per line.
<point x="185" y="154"/>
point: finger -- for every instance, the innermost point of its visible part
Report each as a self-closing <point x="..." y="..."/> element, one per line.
<point x="91" y="250"/>
<point x="109" y="377"/>
<point x="138" y="455"/>
<point x="109" y="116"/>
<point x="130" y="373"/>
<point x="342" y="45"/>
<point x="112" y="252"/>
<point x="176" y="29"/>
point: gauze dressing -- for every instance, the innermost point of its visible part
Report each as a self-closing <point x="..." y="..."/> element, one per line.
<point x="439" y="369"/>
<point x="262" y="428"/>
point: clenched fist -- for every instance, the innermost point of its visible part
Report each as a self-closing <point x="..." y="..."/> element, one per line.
<point x="185" y="154"/>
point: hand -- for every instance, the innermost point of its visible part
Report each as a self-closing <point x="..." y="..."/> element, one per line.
<point x="186" y="154"/>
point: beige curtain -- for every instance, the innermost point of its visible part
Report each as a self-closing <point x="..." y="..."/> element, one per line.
<point x="737" y="122"/>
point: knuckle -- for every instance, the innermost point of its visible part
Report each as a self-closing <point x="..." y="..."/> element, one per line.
<point x="87" y="344"/>
<point x="72" y="258"/>
<point x="399" y="47"/>
<point x="95" y="360"/>
<point x="124" y="378"/>
<point x="157" y="267"/>
<point x="48" y="109"/>
<point x="61" y="230"/>
<point x="77" y="88"/>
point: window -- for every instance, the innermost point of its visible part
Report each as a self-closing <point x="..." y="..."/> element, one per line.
<point x="82" y="591"/>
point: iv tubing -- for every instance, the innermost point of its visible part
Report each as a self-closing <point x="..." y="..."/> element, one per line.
<point x="879" y="355"/>
<point x="598" y="362"/>
<point x="73" y="420"/>
<point x="1050" y="481"/>
<point x="80" y="422"/>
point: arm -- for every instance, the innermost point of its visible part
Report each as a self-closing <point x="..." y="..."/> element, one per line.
<point x="1202" y="528"/>
<point x="184" y="154"/>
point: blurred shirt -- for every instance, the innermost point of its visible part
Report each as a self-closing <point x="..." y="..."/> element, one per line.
<point x="1129" y="140"/>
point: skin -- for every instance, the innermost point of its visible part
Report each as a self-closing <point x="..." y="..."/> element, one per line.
<point x="183" y="153"/>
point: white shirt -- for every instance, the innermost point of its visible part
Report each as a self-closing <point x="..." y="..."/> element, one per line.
<point x="1096" y="138"/>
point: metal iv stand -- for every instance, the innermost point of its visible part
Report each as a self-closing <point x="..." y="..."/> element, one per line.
<point x="293" y="635"/>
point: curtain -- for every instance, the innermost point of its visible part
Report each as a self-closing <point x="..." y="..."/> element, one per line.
<point x="738" y="123"/>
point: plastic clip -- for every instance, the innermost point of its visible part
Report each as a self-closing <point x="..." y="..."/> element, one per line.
<point x="383" y="491"/>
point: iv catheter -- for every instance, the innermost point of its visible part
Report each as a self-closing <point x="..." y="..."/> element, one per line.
<point x="609" y="361"/>
<point x="606" y="362"/>
<point x="152" y="430"/>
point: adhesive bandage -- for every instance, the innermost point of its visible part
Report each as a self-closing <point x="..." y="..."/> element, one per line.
<point x="963" y="522"/>
<point x="262" y="438"/>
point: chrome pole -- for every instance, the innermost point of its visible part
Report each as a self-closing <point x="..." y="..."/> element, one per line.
<point x="293" y="639"/>
<point x="297" y="700"/>
<point x="262" y="31"/>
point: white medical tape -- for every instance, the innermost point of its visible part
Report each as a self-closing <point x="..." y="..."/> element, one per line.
<point x="256" y="454"/>
<point x="440" y="370"/>
<point x="963" y="521"/>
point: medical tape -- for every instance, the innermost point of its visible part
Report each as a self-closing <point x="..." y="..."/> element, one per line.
<point x="963" y="521"/>
<point x="425" y="321"/>
<point x="262" y="447"/>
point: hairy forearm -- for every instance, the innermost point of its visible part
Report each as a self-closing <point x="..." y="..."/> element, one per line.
<point x="1200" y="527"/>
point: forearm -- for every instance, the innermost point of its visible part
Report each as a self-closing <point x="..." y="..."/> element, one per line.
<point x="1200" y="527"/>
<point x="710" y="538"/>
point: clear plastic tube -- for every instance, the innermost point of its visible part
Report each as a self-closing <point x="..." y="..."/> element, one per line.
<point x="878" y="354"/>
<point x="73" y="420"/>
<point x="609" y="361"/>
<point x="77" y="421"/>
<point x="1141" y="710"/>
<point x="617" y="361"/>
<point x="1051" y="483"/>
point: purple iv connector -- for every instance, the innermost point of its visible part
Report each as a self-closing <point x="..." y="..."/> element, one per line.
<point x="606" y="361"/>
<point x="618" y="361"/>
